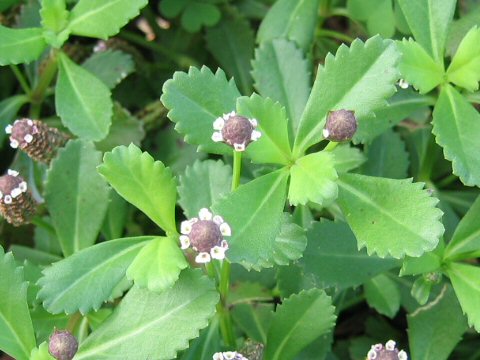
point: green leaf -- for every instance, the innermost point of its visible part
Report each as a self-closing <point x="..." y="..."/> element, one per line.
<point x="54" y="14"/>
<point x="332" y="257"/>
<point x="456" y="125"/>
<point x="125" y="130"/>
<point x="346" y="82"/>
<point x="313" y="178"/>
<point x="459" y="28"/>
<point x="203" y="184"/>
<point x="387" y="157"/>
<point x="111" y="66"/>
<point x="418" y="68"/>
<point x="231" y="42"/>
<point x="383" y="295"/>
<point x="164" y="321"/>
<point x="253" y="320"/>
<point x="16" y="330"/>
<point x="8" y="111"/>
<point x="428" y="262"/>
<point x="292" y="328"/>
<point x="197" y="14"/>
<point x="82" y="101"/>
<point x="377" y="13"/>
<point x="252" y="242"/>
<point x="464" y="70"/>
<point x="466" y="238"/>
<point x="37" y="257"/>
<point x="347" y="158"/>
<point x="158" y="265"/>
<point x="467" y="287"/>
<point x="143" y="182"/>
<point x="293" y="20"/>
<point x="273" y="146"/>
<point x="389" y="216"/>
<point x="195" y="100"/>
<point x="290" y="242"/>
<point x="282" y="73"/>
<point x="20" y="45"/>
<point x="41" y="353"/>
<point x="85" y="280"/>
<point x="429" y="21"/>
<point x="102" y="19"/>
<point x="435" y="329"/>
<point x="77" y="197"/>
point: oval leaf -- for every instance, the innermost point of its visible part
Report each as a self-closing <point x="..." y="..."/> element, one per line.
<point x="20" y="45"/>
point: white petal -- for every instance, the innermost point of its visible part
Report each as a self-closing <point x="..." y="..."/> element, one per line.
<point x="185" y="242"/>
<point x="1" y="195"/>
<point x="239" y="147"/>
<point x="12" y="172"/>
<point x="15" y="192"/>
<point x="8" y="199"/>
<point x="225" y="229"/>
<point x="255" y="135"/>
<point x="403" y="84"/>
<point x="217" y="136"/>
<point x="218" y="253"/>
<point x="202" y="258"/>
<point x="14" y="143"/>
<point x="217" y="219"/>
<point x="377" y="347"/>
<point x="402" y="355"/>
<point x="229" y="355"/>
<point x="186" y="227"/>
<point x="205" y="214"/>
<point x="232" y="113"/>
<point x="254" y="122"/>
<point x="30" y="122"/>
<point x="218" y="356"/>
<point x="23" y="186"/>
<point x="325" y="133"/>
<point x="219" y="123"/>
<point x="28" y="138"/>
<point x="390" y="345"/>
<point x="8" y="129"/>
<point x="371" y="355"/>
<point x="224" y="244"/>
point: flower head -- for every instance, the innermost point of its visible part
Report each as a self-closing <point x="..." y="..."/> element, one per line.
<point x="228" y="355"/>
<point x="387" y="352"/>
<point x="341" y="125"/>
<point x="205" y="235"/>
<point x="16" y="203"/>
<point x="235" y="130"/>
<point x="62" y="345"/>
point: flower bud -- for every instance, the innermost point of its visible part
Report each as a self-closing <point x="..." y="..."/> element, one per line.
<point x="235" y="130"/>
<point x="387" y="352"/>
<point x="62" y="345"/>
<point x="16" y="203"/>
<point x="39" y="141"/>
<point x="340" y="126"/>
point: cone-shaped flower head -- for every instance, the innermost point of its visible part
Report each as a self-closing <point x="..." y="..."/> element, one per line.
<point x="205" y="235"/>
<point x="340" y="126"/>
<point x="387" y="352"/>
<point x="235" y="130"/>
<point x="62" y="345"/>
<point x="39" y="141"/>
<point x="16" y="203"/>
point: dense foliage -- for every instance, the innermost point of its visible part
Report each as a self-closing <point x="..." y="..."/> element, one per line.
<point x="198" y="179"/>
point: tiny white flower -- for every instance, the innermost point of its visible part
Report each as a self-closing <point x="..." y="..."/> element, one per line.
<point x="14" y="144"/>
<point x="229" y="355"/>
<point x="217" y="252"/>
<point x="254" y="122"/>
<point x="202" y="258"/>
<point x="186" y="227"/>
<point x="224" y="244"/>
<point x="372" y="354"/>
<point x="225" y="229"/>
<point x="8" y="129"/>
<point x="8" y="199"/>
<point x="402" y="355"/>
<point x="30" y="122"/>
<point x="219" y="123"/>
<point x="217" y="219"/>
<point x="1" y="195"/>
<point x="239" y="147"/>
<point x="28" y="138"/>
<point x="218" y="356"/>
<point x="205" y="214"/>
<point x="325" y="133"/>
<point x="390" y="345"/>
<point x="184" y="241"/>
<point x="217" y="136"/>
<point x="15" y="192"/>
<point x="12" y="172"/>
<point x="377" y="347"/>
<point x="403" y="84"/>
<point x="256" y="135"/>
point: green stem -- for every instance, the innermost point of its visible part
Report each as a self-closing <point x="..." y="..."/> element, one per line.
<point x="181" y="60"/>
<point x="447" y="181"/>
<point x="226" y="327"/>
<point x="428" y="161"/>
<point x="334" y="35"/>
<point x="331" y="145"/>
<point x="38" y="94"/>
<point x="21" y="79"/>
